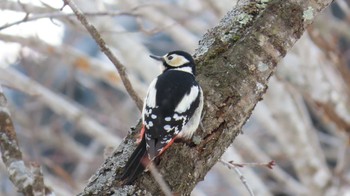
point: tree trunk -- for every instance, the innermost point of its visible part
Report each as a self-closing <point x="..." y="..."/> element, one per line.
<point x="234" y="62"/>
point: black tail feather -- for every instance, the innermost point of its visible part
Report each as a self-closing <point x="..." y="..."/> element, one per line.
<point x="134" y="165"/>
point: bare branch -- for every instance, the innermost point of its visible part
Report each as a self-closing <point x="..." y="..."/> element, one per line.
<point x="59" y="105"/>
<point x="92" y="67"/>
<point x="303" y="146"/>
<point x="269" y="164"/>
<point x="256" y="179"/>
<point x="105" y="49"/>
<point x="52" y="15"/>
<point x="24" y="7"/>
<point x="247" y="145"/>
<point x="29" y="182"/>
<point x="30" y="17"/>
<point x="241" y="177"/>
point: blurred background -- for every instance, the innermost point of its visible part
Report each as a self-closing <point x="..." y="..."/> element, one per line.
<point x="71" y="110"/>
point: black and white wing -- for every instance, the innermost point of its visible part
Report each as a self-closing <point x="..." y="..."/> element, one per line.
<point x="172" y="108"/>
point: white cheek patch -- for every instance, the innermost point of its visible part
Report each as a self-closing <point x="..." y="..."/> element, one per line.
<point x="177" y="61"/>
<point x="186" y="101"/>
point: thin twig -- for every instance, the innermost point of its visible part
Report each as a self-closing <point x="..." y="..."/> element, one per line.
<point x="31" y="17"/>
<point x="269" y="165"/>
<point x="105" y="49"/>
<point x="142" y="28"/>
<point x="159" y="179"/>
<point x="247" y="145"/>
<point x="52" y="15"/>
<point x="241" y="177"/>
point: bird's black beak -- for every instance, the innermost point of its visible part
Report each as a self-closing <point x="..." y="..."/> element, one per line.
<point x="158" y="58"/>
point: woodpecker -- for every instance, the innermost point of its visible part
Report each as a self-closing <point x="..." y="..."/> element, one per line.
<point x="172" y="109"/>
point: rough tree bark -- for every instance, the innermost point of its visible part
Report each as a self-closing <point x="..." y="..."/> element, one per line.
<point x="234" y="60"/>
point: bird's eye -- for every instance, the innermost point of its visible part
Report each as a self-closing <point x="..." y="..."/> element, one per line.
<point x="170" y="57"/>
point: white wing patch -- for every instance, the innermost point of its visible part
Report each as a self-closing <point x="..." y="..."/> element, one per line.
<point x="186" y="101"/>
<point x="193" y="123"/>
<point x="151" y="95"/>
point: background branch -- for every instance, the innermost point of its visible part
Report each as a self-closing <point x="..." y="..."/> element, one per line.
<point x="241" y="177"/>
<point x="60" y="105"/>
<point x="29" y="181"/>
<point x="60" y="15"/>
<point x="105" y="49"/>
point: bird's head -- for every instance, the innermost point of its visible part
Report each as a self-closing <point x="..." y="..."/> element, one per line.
<point x="177" y="60"/>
